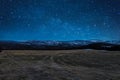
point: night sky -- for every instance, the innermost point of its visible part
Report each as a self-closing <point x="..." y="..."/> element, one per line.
<point x="60" y="20"/>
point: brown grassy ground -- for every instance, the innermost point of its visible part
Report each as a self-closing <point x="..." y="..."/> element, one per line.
<point x="59" y="65"/>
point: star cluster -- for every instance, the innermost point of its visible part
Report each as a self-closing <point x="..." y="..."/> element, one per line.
<point x="59" y="19"/>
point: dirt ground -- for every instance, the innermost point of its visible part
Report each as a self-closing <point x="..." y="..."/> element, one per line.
<point x="59" y="65"/>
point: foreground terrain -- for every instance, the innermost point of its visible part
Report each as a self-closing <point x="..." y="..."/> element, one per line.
<point x="59" y="65"/>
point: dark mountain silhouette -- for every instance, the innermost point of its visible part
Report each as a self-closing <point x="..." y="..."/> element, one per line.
<point x="60" y="45"/>
<point x="0" y="49"/>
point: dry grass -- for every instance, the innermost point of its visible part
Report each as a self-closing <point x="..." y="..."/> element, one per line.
<point x="59" y="65"/>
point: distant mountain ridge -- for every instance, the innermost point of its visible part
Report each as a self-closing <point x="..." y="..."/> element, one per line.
<point x="60" y="45"/>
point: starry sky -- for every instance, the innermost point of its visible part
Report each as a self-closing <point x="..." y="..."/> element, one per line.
<point x="60" y="20"/>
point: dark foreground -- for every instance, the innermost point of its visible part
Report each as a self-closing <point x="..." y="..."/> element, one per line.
<point x="59" y="65"/>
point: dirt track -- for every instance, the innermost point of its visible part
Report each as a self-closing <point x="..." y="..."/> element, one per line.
<point x="60" y="65"/>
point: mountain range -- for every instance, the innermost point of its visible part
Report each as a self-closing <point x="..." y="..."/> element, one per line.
<point x="60" y="45"/>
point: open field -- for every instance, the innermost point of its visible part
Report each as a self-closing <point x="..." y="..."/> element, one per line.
<point x="59" y="65"/>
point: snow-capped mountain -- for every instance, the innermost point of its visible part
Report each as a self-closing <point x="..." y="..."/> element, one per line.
<point x="60" y="45"/>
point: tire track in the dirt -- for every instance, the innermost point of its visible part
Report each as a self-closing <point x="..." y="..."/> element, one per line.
<point x="59" y="59"/>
